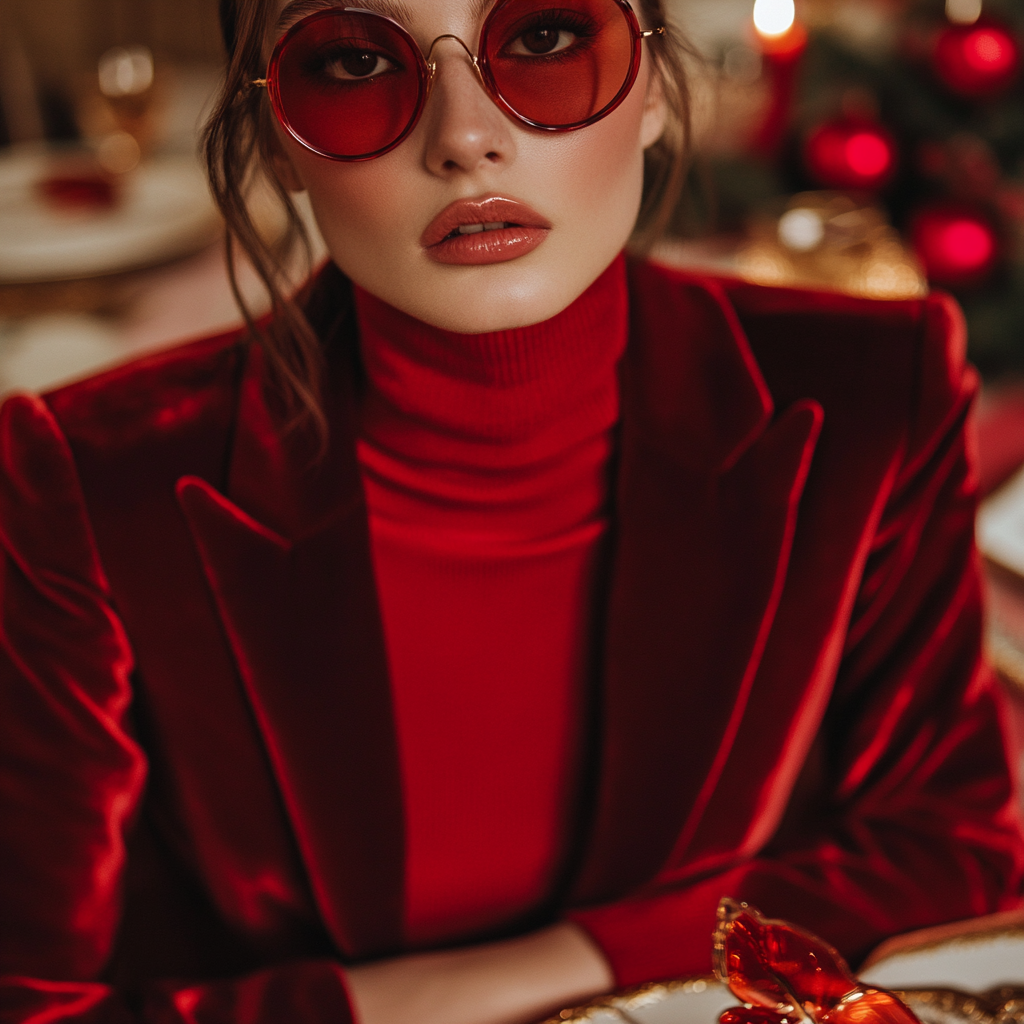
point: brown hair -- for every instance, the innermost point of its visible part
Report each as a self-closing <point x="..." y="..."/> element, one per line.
<point x="237" y="145"/>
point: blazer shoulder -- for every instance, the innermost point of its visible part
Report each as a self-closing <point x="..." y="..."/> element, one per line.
<point x="905" y="360"/>
<point x="796" y="307"/>
<point x="155" y="397"/>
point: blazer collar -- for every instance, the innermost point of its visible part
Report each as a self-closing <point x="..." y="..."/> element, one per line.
<point x="286" y="552"/>
<point x="283" y="476"/>
<point x="692" y="389"/>
<point x="706" y="498"/>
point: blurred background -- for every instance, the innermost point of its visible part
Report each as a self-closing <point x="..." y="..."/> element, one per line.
<point x="871" y="146"/>
<point x="874" y="147"/>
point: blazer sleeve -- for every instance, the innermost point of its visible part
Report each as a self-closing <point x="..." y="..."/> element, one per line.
<point x="72" y="776"/>
<point x="906" y="814"/>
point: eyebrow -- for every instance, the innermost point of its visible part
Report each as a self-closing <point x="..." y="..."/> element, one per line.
<point x="299" y="9"/>
<point x="395" y="9"/>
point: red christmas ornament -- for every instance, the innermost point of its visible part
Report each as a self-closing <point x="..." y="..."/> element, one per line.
<point x="783" y="974"/>
<point x="977" y="61"/>
<point x="851" y="153"/>
<point x="956" y="243"/>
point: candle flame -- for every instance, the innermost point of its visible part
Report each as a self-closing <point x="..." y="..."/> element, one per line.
<point x="773" y="18"/>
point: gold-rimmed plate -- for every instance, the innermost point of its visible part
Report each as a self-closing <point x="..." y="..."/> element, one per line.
<point x="967" y="973"/>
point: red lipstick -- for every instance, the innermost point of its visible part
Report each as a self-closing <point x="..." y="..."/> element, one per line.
<point x="479" y="231"/>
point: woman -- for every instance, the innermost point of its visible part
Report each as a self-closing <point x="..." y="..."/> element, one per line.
<point x="447" y="655"/>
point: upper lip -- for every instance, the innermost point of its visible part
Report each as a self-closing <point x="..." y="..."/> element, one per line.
<point x="490" y="210"/>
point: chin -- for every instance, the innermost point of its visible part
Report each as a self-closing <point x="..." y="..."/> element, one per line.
<point x="495" y="297"/>
<point x="473" y="309"/>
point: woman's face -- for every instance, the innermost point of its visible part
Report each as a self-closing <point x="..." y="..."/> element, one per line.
<point x="379" y="218"/>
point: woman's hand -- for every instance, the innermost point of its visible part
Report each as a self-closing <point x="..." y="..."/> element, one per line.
<point x="511" y="982"/>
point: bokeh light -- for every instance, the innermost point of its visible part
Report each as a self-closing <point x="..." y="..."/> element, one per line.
<point x="774" y="17"/>
<point x="868" y="155"/>
<point x="978" y="60"/>
<point x="851" y="154"/>
<point x="958" y="246"/>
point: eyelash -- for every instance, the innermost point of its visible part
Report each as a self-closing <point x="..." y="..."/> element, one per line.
<point x="318" y="63"/>
<point x="565" y="21"/>
<point x="561" y="21"/>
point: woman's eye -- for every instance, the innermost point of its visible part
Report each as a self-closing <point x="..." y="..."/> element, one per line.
<point x="543" y="39"/>
<point x="355" y="64"/>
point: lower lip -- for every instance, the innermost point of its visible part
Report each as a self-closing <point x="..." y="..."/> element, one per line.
<point x="483" y="247"/>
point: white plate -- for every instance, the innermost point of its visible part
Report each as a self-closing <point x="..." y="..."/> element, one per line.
<point x="166" y="212"/>
<point x="1001" y="525"/>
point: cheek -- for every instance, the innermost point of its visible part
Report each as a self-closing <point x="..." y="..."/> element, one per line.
<point x="346" y="195"/>
<point x="599" y="172"/>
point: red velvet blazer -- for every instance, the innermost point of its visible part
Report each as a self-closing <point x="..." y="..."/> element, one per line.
<point x="199" y="787"/>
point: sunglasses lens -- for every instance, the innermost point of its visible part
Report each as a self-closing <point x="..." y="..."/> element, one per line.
<point x="348" y="85"/>
<point x="560" y="63"/>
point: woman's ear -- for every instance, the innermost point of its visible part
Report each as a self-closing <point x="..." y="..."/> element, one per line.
<point x="655" y="115"/>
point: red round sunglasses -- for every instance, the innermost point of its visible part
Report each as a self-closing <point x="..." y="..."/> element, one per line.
<point x="351" y="84"/>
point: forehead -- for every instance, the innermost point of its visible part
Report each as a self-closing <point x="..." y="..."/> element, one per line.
<point x="404" y="11"/>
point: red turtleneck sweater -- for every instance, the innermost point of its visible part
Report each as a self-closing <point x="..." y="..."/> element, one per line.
<point x="485" y="462"/>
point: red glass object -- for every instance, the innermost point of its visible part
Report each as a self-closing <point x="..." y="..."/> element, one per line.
<point x="350" y="84"/>
<point x="76" y="192"/>
<point x="785" y="975"/>
<point x="956" y="243"/>
<point x="978" y="60"/>
<point x="851" y="153"/>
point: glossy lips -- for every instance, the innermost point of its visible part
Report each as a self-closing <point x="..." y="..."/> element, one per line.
<point x="785" y="975"/>
<point x="523" y="231"/>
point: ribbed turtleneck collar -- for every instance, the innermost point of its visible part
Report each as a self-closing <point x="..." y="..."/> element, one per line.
<point x="510" y="426"/>
<point x="518" y="387"/>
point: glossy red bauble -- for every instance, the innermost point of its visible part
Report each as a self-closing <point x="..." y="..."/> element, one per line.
<point x="978" y="60"/>
<point x="956" y="243"/>
<point x="851" y="153"/>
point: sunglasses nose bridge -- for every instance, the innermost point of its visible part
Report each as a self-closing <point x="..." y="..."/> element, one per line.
<point x="432" y="64"/>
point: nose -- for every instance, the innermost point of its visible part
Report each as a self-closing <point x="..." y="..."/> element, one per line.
<point x="465" y="130"/>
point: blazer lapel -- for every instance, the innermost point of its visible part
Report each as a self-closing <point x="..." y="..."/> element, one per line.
<point x="707" y="496"/>
<point x="287" y="556"/>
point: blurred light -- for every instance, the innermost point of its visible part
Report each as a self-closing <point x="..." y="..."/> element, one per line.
<point x="850" y="153"/>
<point x="963" y="12"/>
<point x="895" y="279"/>
<point x="957" y="244"/>
<point x="801" y="230"/>
<point x="986" y="50"/>
<point x="763" y="265"/>
<point x="967" y="244"/>
<point x="126" y="71"/>
<point x="774" y="17"/>
<point x="118" y="153"/>
<point x="868" y="155"/>
<point x="977" y="61"/>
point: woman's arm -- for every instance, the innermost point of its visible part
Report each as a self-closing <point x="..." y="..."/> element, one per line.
<point x="511" y="982"/>
<point x="71" y="776"/>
